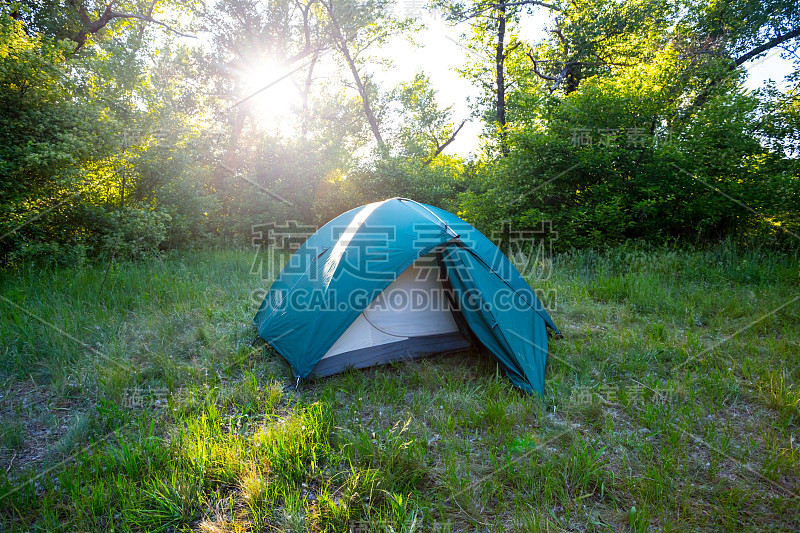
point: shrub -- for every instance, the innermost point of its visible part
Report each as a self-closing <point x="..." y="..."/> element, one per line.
<point x="134" y="233"/>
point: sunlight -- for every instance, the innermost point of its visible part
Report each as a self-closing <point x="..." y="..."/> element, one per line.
<point x="273" y="94"/>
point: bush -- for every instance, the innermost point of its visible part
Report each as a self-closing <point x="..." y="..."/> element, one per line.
<point x="134" y="233"/>
<point x="388" y="177"/>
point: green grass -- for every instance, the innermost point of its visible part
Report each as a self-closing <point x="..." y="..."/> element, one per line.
<point x="671" y="404"/>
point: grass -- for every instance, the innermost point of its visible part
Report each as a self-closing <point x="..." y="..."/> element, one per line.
<point x="671" y="405"/>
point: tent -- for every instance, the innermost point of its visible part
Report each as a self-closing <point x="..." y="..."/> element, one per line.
<point x="399" y="279"/>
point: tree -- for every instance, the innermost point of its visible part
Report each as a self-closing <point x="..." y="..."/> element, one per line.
<point x="491" y="23"/>
<point x="424" y="129"/>
<point x="78" y="20"/>
<point x="341" y="44"/>
<point x="355" y="27"/>
<point x="594" y="37"/>
<point x="247" y="37"/>
<point x="636" y="127"/>
<point x="50" y="139"/>
<point x="719" y="38"/>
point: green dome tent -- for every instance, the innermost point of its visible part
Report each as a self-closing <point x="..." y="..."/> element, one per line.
<point x="398" y="279"/>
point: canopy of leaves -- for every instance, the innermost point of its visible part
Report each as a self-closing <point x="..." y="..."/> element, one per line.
<point x="625" y="120"/>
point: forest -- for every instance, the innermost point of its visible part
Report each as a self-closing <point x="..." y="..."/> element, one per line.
<point x="149" y="147"/>
<point x="627" y="121"/>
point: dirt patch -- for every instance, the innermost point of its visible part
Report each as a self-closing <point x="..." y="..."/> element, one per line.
<point x="33" y="420"/>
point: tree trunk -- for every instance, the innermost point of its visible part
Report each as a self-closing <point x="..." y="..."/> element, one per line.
<point x="573" y="78"/>
<point x="362" y="90"/>
<point x="307" y="91"/>
<point x="500" y="104"/>
<point x="229" y="161"/>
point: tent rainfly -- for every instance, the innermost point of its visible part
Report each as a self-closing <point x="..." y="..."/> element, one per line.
<point x="396" y="280"/>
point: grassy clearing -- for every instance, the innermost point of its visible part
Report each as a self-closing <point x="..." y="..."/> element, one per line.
<point x="671" y="405"/>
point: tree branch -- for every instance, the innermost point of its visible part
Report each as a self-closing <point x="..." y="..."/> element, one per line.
<point x="441" y="148"/>
<point x="511" y="48"/>
<point x="480" y="9"/>
<point x="146" y="18"/>
<point x="307" y="91"/>
<point x="536" y="68"/>
<point x="561" y="76"/>
<point x="780" y="39"/>
<point x="90" y="27"/>
<point x="149" y="14"/>
<point x="705" y="94"/>
<point x="530" y="3"/>
<point x="342" y="45"/>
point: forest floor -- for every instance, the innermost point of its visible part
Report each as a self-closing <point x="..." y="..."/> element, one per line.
<point x="671" y="404"/>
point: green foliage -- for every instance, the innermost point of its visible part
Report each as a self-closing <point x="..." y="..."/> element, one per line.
<point x="135" y="233"/>
<point x="425" y="127"/>
<point x="129" y="147"/>
<point x="48" y="134"/>
<point x="388" y="177"/>
<point x="607" y="163"/>
<point x="625" y="123"/>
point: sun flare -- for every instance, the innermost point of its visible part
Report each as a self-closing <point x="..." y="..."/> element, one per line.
<point x="272" y="91"/>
